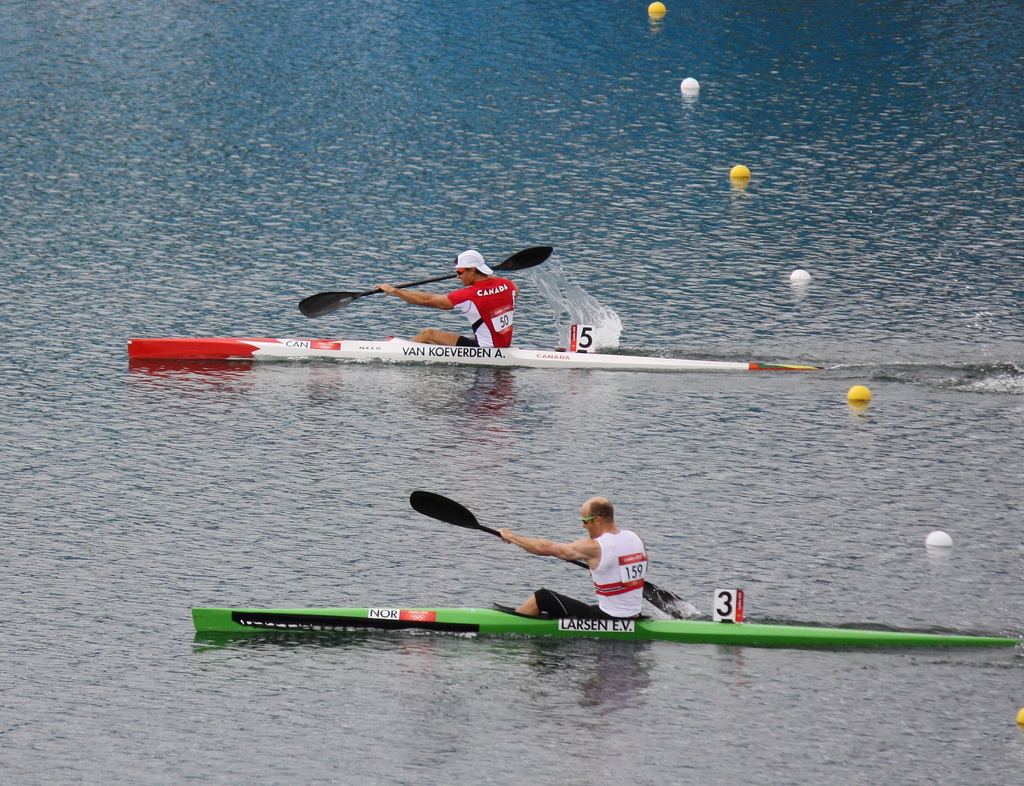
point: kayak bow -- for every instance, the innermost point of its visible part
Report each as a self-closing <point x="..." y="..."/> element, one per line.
<point x="489" y="621"/>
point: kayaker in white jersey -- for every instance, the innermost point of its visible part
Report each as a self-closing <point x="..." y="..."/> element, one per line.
<point x="486" y="300"/>
<point x="617" y="560"/>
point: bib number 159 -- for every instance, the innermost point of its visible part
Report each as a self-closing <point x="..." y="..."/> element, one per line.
<point x="728" y="605"/>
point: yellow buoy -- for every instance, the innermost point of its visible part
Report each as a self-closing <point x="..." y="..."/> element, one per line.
<point x="739" y="172"/>
<point x="656" y="10"/>
<point x="1020" y="716"/>
<point x="858" y="393"/>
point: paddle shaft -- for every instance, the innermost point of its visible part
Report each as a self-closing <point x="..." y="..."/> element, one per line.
<point x="324" y="303"/>
<point x="579" y="562"/>
<point x="354" y="295"/>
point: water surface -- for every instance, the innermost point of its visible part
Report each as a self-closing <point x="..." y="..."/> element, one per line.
<point x="192" y="169"/>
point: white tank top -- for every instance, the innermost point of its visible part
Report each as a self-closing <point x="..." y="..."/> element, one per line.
<point x="619" y="578"/>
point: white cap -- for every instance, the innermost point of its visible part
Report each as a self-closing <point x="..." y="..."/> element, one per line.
<point x="472" y="258"/>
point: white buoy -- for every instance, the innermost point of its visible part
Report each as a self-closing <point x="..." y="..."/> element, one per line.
<point x="689" y="85"/>
<point x="938" y="539"/>
<point x="799" y="276"/>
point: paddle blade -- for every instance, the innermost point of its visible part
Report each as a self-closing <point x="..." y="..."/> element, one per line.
<point x="443" y="509"/>
<point x="325" y="302"/>
<point x="528" y="257"/>
<point x="667" y="601"/>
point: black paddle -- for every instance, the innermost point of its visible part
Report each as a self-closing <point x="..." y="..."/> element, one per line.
<point x="450" y="511"/>
<point x="325" y="302"/>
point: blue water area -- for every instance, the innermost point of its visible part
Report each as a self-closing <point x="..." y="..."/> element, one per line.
<point x="195" y="169"/>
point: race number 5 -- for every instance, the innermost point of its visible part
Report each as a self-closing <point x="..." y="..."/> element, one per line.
<point x="581" y="338"/>
<point x="728" y="605"/>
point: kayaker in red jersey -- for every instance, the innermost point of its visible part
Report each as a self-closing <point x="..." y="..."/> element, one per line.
<point x="617" y="560"/>
<point x="486" y="300"/>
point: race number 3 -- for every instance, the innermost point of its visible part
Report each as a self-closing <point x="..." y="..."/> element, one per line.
<point x="728" y="605"/>
<point x="581" y="338"/>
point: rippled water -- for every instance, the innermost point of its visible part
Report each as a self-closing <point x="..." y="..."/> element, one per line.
<point x="185" y="168"/>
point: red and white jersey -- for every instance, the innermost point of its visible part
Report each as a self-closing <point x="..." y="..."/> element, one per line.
<point x="489" y="306"/>
<point x="619" y="577"/>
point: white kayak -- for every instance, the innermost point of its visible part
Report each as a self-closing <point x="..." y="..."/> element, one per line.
<point x="396" y="350"/>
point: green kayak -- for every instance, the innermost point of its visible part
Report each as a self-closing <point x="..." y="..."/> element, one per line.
<point x="494" y="622"/>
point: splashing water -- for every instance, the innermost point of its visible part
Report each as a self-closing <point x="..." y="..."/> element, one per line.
<point x="1005" y="378"/>
<point x="571" y="305"/>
